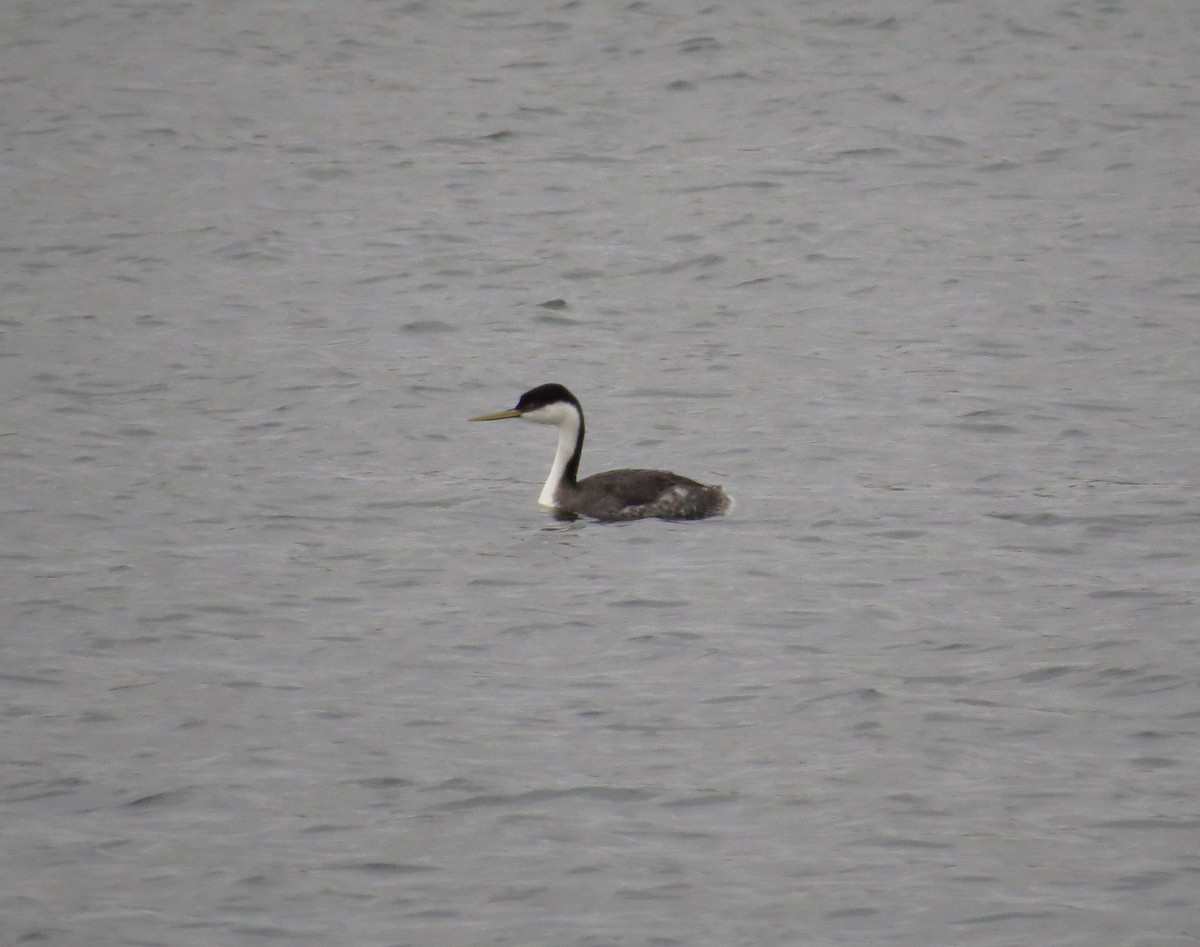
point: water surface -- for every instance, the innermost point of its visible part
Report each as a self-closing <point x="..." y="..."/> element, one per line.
<point x="291" y="654"/>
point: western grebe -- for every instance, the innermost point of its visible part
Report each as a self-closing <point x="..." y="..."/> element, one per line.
<point x="614" y="494"/>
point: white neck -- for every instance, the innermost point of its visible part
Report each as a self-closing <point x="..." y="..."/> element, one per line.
<point x="567" y="420"/>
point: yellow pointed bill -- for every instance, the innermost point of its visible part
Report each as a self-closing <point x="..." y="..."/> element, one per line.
<point x="497" y="416"/>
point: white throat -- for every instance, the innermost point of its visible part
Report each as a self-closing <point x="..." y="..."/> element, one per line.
<point x="566" y="418"/>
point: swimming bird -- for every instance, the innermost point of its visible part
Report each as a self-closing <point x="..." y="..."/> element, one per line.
<point x="615" y="494"/>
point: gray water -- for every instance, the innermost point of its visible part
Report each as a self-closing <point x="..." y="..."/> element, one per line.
<point x="291" y="655"/>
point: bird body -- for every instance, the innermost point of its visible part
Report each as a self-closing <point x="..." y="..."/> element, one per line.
<point x="613" y="495"/>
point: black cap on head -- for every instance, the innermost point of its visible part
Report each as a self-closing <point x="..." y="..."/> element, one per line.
<point x="542" y="395"/>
